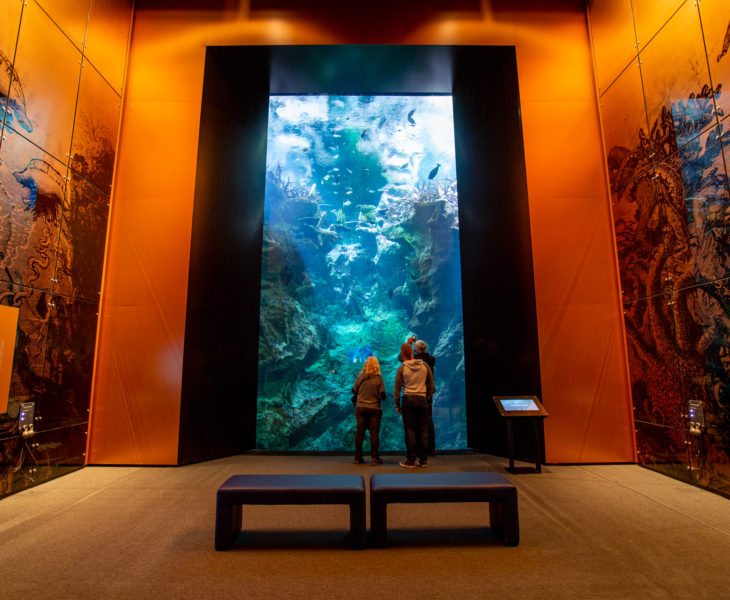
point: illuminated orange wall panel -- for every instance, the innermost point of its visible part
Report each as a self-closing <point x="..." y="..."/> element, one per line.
<point x="139" y="365"/>
<point x="137" y="404"/>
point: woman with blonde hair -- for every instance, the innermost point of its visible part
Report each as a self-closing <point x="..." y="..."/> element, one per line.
<point x="369" y="390"/>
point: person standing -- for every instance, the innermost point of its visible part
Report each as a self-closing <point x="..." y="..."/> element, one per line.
<point x="419" y="348"/>
<point x="415" y="379"/>
<point x="369" y="390"/>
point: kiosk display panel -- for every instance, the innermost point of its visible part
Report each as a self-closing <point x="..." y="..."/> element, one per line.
<point x="520" y="406"/>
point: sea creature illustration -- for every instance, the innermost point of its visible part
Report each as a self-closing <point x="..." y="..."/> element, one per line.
<point x="434" y="171"/>
<point x="410" y="118"/>
<point x="725" y="43"/>
<point x="15" y="108"/>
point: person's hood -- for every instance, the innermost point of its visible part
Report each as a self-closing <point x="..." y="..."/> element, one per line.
<point x="413" y="365"/>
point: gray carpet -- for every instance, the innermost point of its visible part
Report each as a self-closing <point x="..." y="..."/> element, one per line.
<point x="586" y="532"/>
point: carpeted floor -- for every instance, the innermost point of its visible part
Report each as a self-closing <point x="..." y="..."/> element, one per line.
<point x="609" y="531"/>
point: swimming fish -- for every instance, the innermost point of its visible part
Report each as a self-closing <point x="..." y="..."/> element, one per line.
<point x="434" y="171"/>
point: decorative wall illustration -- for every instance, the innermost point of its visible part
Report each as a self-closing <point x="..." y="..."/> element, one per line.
<point x="667" y="168"/>
<point x="361" y="248"/>
<point x="60" y="119"/>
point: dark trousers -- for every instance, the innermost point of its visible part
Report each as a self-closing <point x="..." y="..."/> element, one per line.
<point x="368" y="418"/>
<point x="431" y="447"/>
<point x="414" y="425"/>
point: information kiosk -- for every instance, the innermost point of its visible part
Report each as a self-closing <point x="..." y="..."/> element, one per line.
<point x="522" y="408"/>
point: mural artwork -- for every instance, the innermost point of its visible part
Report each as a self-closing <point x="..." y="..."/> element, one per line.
<point x="53" y="223"/>
<point x="672" y="240"/>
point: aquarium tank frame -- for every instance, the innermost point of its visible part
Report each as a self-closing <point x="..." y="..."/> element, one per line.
<point x="219" y="380"/>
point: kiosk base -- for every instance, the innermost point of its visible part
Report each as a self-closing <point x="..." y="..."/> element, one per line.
<point x="537" y="429"/>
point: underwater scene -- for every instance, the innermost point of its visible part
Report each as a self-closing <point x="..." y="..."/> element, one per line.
<point x="360" y="251"/>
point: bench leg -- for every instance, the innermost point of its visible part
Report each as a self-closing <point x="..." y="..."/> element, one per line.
<point x="504" y="520"/>
<point x="357" y="524"/>
<point x="378" y="523"/>
<point x="227" y="523"/>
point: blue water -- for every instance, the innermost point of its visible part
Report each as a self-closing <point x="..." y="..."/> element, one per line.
<point x="361" y="250"/>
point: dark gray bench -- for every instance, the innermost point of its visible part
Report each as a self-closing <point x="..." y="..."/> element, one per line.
<point x="287" y="489"/>
<point x="387" y="488"/>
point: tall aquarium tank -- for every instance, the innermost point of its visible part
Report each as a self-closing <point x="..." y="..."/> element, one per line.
<point x="360" y="251"/>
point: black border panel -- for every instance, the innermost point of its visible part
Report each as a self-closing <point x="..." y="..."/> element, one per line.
<point x="218" y="404"/>
<point x="500" y="319"/>
<point x="218" y="407"/>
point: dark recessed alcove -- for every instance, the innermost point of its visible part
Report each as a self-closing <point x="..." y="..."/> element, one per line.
<point x="218" y="406"/>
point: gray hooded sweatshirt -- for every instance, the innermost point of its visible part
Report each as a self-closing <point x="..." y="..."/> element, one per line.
<point x="415" y="378"/>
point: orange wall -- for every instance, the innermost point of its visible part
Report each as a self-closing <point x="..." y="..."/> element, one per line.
<point x="139" y="364"/>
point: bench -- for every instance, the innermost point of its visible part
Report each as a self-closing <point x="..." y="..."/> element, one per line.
<point x="287" y="489"/>
<point x="388" y="488"/>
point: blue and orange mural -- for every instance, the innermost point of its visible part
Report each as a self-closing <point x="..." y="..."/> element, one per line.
<point x="59" y="127"/>
<point x="666" y="157"/>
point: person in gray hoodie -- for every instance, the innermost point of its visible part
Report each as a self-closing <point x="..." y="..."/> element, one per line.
<point x="415" y="379"/>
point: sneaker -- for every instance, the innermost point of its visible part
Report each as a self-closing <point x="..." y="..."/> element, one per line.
<point x="408" y="464"/>
<point x="359" y="461"/>
<point x="377" y="461"/>
<point x="423" y="463"/>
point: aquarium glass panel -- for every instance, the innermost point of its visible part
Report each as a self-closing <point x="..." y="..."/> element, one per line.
<point x="360" y="251"/>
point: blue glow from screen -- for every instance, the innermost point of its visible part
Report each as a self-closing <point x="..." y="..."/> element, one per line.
<point x="360" y="250"/>
<point x="519" y="404"/>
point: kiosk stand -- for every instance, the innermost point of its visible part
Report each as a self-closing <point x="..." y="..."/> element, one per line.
<point x="522" y="408"/>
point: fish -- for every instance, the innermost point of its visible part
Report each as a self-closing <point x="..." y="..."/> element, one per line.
<point x="410" y="118"/>
<point x="434" y="171"/>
